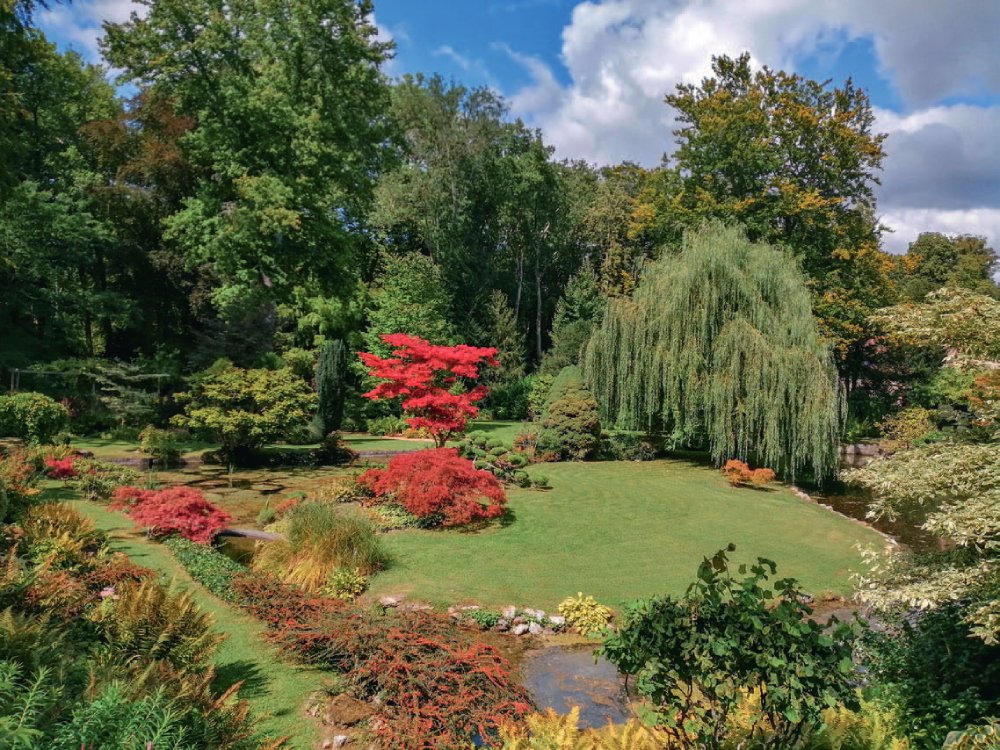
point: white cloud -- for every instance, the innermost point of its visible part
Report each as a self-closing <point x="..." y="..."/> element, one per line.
<point x="80" y="22"/>
<point x="623" y="56"/>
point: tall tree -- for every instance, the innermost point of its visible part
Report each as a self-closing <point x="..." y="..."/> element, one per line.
<point x="331" y="386"/>
<point x="796" y="162"/>
<point x="289" y="102"/>
<point x="718" y="346"/>
<point x="936" y="260"/>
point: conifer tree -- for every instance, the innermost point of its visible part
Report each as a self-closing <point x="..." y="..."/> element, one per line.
<point x="719" y="347"/>
<point x="331" y="369"/>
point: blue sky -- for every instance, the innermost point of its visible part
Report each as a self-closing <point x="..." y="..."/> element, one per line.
<point x="592" y="74"/>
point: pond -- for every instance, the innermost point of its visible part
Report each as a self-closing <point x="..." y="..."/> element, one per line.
<point x="560" y="677"/>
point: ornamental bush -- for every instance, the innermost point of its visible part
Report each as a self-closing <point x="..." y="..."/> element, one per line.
<point x="571" y="425"/>
<point x="438" y="485"/>
<point x="175" y="510"/>
<point x="33" y="417"/>
<point x="740" y="474"/>
<point x="163" y="446"/>
<point x="244" y="409"/>
<point x="585" y="614"/>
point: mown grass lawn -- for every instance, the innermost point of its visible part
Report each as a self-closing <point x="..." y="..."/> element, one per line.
<point x="621" y="530"/>
<point x="276" y="689"/>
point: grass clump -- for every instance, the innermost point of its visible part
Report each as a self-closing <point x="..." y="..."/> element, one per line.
<point x="319" y="540"/>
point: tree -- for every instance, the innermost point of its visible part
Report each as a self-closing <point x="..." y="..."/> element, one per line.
<point x="719" y="346"/>
<point x="331" y="388"/>
<point x="733" y="643"/>
<point x="796" y="162"/>
<point x="504" y="333"/>
<point x="410" y="297"/>
<point x="935" y="260"/>
<point x="427" y="379"/>
<point x="180" y="510"/>
<point x="289" y="103"/>
<point x="578" y="311"/>
<point x="948" y="319"/>
<point x="244" y="409"/>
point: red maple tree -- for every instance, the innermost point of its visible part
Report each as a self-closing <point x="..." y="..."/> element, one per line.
<point x="438" y="482"/>
<point x="427" y="378"/>
<point x="180" y="510"/>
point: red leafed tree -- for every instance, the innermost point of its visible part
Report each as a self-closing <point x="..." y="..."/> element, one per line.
<point x="438" y="482"/>
<point x="427" y="378"/>
<point x="175" y="510"/>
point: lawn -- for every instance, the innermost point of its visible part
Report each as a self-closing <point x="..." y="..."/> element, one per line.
<point x="620" y="530"/>
<point x="275" y="688"/>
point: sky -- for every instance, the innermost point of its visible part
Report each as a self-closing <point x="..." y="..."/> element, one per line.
<point x="592" y="75"/>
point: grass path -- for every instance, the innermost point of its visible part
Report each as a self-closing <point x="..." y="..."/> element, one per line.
<point x="276" y="688"/>
<point x="621" y="530"/>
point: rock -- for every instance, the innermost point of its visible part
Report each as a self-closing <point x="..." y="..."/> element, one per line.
<point x="557" y="621"/>
<point x="536" y="614"/>
<point x="470" y="608"/>
<point x="519" y="629"/>
<point x="509" y="612"/>
<point x="347" y="711"/>
<point x="390" y="601"/>
<point x="534" y="628"/>
<point x="416" y="607"/>
<point x="502" y="626"/>
<point x="340" y="740"/>
<point x="519" y="620"/>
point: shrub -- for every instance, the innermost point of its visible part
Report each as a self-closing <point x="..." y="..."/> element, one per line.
<point x="206" y="565"/>
<point x="986" y="737"/>
<point x="585" y="614"/>
<point x="175" y="510"/>
<point x="340" y="490"/>
<point x="627" y="446"/>
<point x="438" y="484"/>
<point x="389" y="516"/>
<point x="700" y="656"/>
<point x="244" y="409"/>
<point x="739" y="474"/>
<point x="17" y="484"/>
<point x="60" y="468"/>
<point x="381" y="426"/>
<point x="493" y="456"/>
<point x="346" y="584"/>
<point x="319" y="540"/>
<point x="98" y="480"/>
<point x="147" y="621"/>
<point x="510" y="400"/>
<point x="57" y="533"/>
<point x="538" y="391"/>
<point x="33" y="417"/>
<point x="571" y="426"/>
<point x="906" y="429"/>
<point x="162" y="446"/>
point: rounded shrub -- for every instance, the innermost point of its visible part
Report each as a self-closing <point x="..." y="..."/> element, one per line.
<point x="33" y="417"/>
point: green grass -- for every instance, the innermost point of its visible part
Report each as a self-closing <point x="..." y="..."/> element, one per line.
<point x="506" y="431"/>
<point x="275" y="688"/>
<point x="621" y="530"/>
<point x="363" y="442"/>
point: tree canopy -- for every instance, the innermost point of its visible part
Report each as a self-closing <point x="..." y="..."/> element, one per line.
<point x="718" y="346"/>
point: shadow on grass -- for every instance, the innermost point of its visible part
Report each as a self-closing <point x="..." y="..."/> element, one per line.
<point x="245" y="671"/>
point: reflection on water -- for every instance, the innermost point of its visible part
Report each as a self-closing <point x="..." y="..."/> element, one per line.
<point x="560" y="677"/>
<point x="855" y="502"/>
<point x="238" y="548"/>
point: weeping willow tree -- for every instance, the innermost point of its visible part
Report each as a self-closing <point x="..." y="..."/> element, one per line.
<point x="718" y="346"/>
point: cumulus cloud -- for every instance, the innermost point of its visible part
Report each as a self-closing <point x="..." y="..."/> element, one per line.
<point x="80" y="22"/>
<point x="623" y="56"/>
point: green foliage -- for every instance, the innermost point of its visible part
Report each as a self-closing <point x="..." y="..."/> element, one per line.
<point x="492" y="455"/>
<point x="978" y="738"/>
<point x="934" y="260"/>
<point x="381" y="426"/>
<point x="699" y="657"/>
<point x="628" y="446"/>
<point x="503" y="333"/>
<point x="510" y="400"/>
<point x="244" y="409"/>
<point x="553" y="731"/>
<point x="98" y="480"/>
<point x="484" y="618"/>
<point x="33" y="417"/>
<point x="933" y="675"/>
<point x="346" y="584"/>
<point x="953" y="492"/>
<point x="585" y="614"/>
<point x="727" y="322"/>
<point x="409" y="298"/>
<point x="206" y="565"/>
<point x="163" y="446"/>
<point x="319" y="539"/>
<point x="946" y="319"/>
<point x="906" y="428"/>
<point x="331" y="386"/>
<point x="539" y="387"/>
<point x="25" y="705"/>
<point x="571" y="425"/>
<point x="577" y="312"/>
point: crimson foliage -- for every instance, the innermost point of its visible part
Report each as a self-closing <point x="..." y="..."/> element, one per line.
<point x="180" y="510"/>
<point x="438" y="483"/>
<point x="60" y="468"/>
<point x="426" y="377"/>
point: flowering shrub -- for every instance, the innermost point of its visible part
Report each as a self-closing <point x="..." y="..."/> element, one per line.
<point x="426" y="378"/>
<point x="740" y="474"/>
<point x="438" y="484"/>
<point x="180" y="510"/>
<point x="60" y="468"/>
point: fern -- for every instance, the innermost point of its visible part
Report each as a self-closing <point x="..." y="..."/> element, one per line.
<point x="24" y="705"/>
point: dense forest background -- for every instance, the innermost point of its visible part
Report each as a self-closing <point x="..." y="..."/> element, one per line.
<point x="253" y="186"/>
